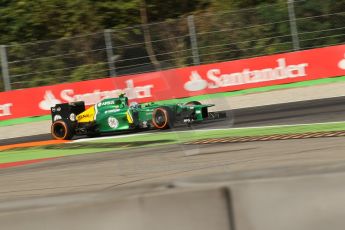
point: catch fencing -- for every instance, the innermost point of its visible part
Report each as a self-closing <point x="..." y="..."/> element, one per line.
<point x="191" y="40"/>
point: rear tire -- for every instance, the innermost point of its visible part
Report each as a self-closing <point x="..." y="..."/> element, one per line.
<point x="61" y="130"/>
<point x="162" y="118"/>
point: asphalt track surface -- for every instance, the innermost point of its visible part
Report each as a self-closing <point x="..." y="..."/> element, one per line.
<point x="140" y="169"/>
<point x="315" y="111"/>
<point x="146" y="168"/>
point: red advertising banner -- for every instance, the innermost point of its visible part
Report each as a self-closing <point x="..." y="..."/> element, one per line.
<point x="183" y="82"/>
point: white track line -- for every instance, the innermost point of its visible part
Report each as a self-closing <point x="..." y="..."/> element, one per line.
<point x="201" y="130"/>
<point x="276" y="126"/>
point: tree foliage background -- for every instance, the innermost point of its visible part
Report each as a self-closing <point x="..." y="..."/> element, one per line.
<point x="227" y="29"/>
<point x="27" y="20"/>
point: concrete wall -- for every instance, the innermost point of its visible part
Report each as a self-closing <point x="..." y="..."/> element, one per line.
<point x="183" y="210"/>
<point x="307" y="202"/>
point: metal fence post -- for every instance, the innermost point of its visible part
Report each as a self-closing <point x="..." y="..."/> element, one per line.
<point x="193" y="40"/>
<point x="4" y="68"/>
<point x="110" y="53"/>
<point x="293" y="25"/>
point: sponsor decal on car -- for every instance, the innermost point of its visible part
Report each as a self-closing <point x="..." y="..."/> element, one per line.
<point x="113" y="122"/>
<point x="112" y="111"/>
<point x="88" y="115"/>
<point x="72" y="117"/>
<point x="105" y="103"/>
<point x="57" y="117"/>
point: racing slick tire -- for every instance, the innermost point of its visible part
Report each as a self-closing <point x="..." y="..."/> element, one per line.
<point x="193" y="103"/>
<point x="163" y="118"/>
<point x="61" y="130"/>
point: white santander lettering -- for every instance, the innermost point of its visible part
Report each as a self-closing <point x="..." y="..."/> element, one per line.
<point x="131" y="91"/>
<point x="5" y="109"/>
<point x="212" y="75"/>
<point x="282" y="71"/>
<point x="67" y="94"/>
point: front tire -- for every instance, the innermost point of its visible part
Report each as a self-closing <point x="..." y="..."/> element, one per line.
<point x="162" y="118"/>
<point x="61" y="130"/>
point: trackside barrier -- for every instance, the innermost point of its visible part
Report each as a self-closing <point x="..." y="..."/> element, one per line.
<point x="183" y="82"/>
<point x="312" y="202"/>
<point x="202" y="210"/>
<point x="301" y="203"/>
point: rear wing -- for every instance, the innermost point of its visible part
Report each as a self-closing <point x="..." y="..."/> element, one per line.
<point x="67" y="111"/>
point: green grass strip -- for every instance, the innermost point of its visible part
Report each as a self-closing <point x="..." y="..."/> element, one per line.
<point x="23" y="120"/>
<point x="203" y="97"/>
<point x="158" y="138"/>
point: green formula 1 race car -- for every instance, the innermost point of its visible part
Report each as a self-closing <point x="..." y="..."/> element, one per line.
<point x="115" y="114"/>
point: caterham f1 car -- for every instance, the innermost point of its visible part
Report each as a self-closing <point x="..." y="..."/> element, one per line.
<point x="115" y="114"/>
